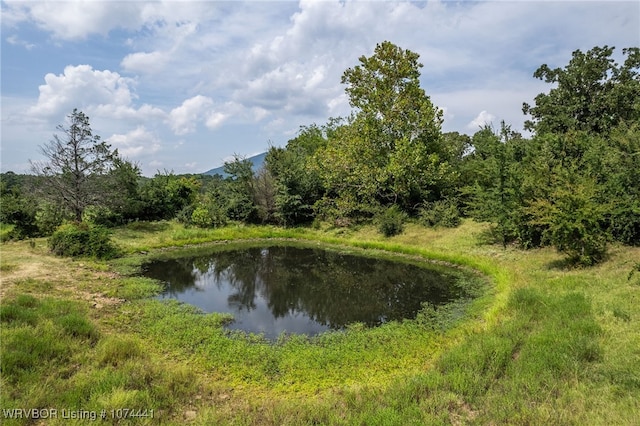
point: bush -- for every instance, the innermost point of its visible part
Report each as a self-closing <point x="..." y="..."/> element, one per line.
<point x="184" y="216"/>
<point x="102" y="216"/>
<point x="440" y="213"/>
<point x="391" y="221"/>
<point x="80" y="239"/>
<point x="624" y="224"/>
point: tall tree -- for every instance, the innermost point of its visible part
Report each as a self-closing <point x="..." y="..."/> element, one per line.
<point x="391" y="149"/>
<point x="495" y="188"/>
<point x="593" y="93"/>
<point x="298" y="187"/>
<point x="385" y="89"/>
<point x="240" y="190"/>
<point x="77" y="165"/>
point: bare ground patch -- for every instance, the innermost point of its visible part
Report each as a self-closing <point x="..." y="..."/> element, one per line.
<point x="22" y="262"/>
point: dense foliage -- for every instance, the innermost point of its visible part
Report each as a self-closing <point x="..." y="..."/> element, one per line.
<point x="574" y="184"/>
<point x="81" y="239"/>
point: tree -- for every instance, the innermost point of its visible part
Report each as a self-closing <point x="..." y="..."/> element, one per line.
<point x="298" y="186"/>
<point x="240" y="190"/>
<point x="621" y="167"/>
<point x="593" y="93"/>
<point x="391" y="150"/>
<point x="164" y="196"/>
<point x="75" y="175"/>
<point x="385" y="89"/>
<point x="572" y="216"/>
<point x="16" y="206"/>
<point x="496" y="185"/>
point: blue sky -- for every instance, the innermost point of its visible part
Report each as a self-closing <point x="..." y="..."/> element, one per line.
<point x="184" y="85"/>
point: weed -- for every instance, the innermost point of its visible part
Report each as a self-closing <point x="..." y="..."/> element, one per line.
<point x="77" y="325"/>
<point x="15" y="314"/>
<point x="26" y="348"/>
<point x="621" y="314"/>
<point x="7" y="267"/>
<point x="133" y="288"/>
<point x="114" y="350"/>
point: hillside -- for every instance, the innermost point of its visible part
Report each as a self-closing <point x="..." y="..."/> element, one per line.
<point x="257" y="160"/>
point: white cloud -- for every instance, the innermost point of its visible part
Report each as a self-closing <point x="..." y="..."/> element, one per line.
<point x="81" y="86"/>
<point x="135" y="143"/>
<point x="156" y="164"/>
<point x="16" y="41"/>
<point x="127" y="112"/>
<point x="78" y="19"/>
<point x="483" y="119"/>
<point x="70" y="20"/>
<point x="185" y="118"/>
<point x="215" y="119"/>
<point x="143" y="62"/>
<point x="259" y="113"/>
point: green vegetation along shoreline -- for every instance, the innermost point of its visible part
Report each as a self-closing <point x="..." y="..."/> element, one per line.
<point x="548" y="344"/>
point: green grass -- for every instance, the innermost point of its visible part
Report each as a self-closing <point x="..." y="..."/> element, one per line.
<point x="543" y="345"/>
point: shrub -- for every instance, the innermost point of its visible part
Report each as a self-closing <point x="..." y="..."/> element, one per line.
<point x="184" y="216"/>
<point x="572" y="217"/>
<point x="6" y="232"/>
<point x="80" y="239"/>
<point x="440" y="213"/>
<point x="624" y="224"/>
<point x="201" y="217"/>
<point x="391" y="221"/>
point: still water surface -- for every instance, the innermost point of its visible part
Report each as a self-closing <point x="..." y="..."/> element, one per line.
<point x="278" y="289"/>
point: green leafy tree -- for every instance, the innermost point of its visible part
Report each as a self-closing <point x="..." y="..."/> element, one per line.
<point x="592" y="93"/>
<point x="78" y="164"/>
<point x="123" y="205"/>
<point x="240" y="190"/>
<point x="572" y="217"/>
<point x="164" y="196"/>
<point x="619" y="158"/>
<point x="567" y="199"/>
<point x="495" y="190"/>
<point x="264" y="195"/>
<point x="17" y="207"/>
<point x="298" y="185"/>
<point x="391" y="149"/>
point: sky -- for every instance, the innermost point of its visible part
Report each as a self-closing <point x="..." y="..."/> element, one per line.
<point x="184" y="86"/>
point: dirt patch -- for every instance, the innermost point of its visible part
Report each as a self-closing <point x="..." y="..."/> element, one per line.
<point x="37" y="269"/>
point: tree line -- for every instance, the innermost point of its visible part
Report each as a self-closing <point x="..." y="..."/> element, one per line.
<point x="574" y="184"/>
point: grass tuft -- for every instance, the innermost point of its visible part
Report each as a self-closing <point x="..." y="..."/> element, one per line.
<point x="115" y="350"/>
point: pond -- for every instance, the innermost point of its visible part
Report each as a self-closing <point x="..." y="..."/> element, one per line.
<point x="300" y="290"/>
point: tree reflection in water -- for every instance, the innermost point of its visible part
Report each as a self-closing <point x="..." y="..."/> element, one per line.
<point x="303" y="290"/>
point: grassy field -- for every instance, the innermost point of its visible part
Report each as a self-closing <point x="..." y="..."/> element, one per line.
<point x="547" y="344"/>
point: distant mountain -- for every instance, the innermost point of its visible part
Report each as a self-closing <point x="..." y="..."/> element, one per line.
<point x="257" y="160"/>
